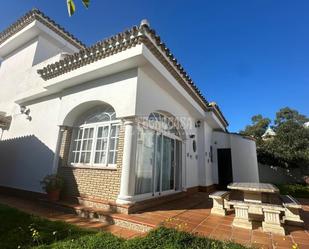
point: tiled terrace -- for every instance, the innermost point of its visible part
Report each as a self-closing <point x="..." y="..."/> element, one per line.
<point x="191" y="214"/>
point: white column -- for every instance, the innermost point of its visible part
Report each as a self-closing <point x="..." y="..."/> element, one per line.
<point x="128" y="170"/>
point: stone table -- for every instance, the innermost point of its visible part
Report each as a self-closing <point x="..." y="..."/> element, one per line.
<point x="253" y="191"/>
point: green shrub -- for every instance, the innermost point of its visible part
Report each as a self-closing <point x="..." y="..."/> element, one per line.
<point x="295" y="190"/>
<point x="52" y="182"/>
<point x="161" y="238"/>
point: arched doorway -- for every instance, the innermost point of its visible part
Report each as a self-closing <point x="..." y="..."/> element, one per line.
<point x="158" y="156"/>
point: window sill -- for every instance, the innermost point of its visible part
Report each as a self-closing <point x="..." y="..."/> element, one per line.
<point x="84" y="166"/>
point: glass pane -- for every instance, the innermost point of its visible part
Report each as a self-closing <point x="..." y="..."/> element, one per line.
<point x="104" y="144"/>
<point x="78" y="145"/>
<point x="178" y="166"/>
<point x="87" y="157"/>
<point x="86" y="131"/>
<point x="158" y="163"/>
<point x="82" y="157"/>
<point x="80" y="133"/>
<point x="112" y="144"/>
<point x="111" y="157"/>
<point x="84" y="145"/>
<point x="97" y="114"/>
<point x="113" y="131"/>
<point x="99" y="144"/>
<point x="97" y="157"/>
<point x="100" y="131"/>
<point x="105" y="131"/>
<point x="89" y="146"/>
<point x="100" y="157"/>
<point x="91" y="133"/>
<point x="167" y="164"/>
<point x="145" y="160"/>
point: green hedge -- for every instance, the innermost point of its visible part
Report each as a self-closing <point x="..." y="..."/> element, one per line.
<point x="295" y="190"/>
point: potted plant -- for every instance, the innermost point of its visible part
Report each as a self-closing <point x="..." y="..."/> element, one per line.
<point x="52" y="184"/>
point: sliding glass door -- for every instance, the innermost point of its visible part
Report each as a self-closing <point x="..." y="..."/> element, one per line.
<point x="158" y="163"/>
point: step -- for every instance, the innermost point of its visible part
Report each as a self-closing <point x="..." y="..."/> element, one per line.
<point x="102" y="215"/>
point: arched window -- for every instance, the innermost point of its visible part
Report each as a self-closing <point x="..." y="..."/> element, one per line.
<point x="95" y="137"/>
<point x="163" y="123"/>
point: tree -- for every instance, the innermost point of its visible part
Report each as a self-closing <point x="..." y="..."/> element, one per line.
<point x="286" y="114"/>
<point x="71" y="6"/>
<point x="257" y="128"/>
<point x="289" y="148"/>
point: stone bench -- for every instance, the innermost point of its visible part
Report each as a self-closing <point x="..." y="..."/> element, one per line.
<point x="218" y="199"/>
<point x="291" y="212"/>
<point x="272" y="218"/>
<point x="242" y="218"/>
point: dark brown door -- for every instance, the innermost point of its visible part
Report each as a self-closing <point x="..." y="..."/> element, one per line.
<point x="225" y="171"/>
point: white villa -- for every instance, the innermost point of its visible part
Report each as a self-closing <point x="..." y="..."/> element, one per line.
<point x="121" y="120"/>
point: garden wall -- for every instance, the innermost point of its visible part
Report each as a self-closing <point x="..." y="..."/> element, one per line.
<point x="272" y="174"/>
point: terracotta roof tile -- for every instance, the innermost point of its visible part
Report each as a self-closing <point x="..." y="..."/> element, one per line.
<point x="36" y="14"/>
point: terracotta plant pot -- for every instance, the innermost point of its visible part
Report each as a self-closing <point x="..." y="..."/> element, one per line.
<point x="53" y="195"/>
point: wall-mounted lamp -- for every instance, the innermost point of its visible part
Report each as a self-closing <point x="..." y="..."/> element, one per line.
<point x="198" y="124"/>
<point x="26" y="111"/>
<point x="22" y="109"/>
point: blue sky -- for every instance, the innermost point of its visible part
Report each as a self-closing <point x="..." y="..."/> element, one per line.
<point x="250" y="56"/>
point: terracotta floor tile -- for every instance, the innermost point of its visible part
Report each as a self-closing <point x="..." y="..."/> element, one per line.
<point x="262" y="246"/>
<point x="241" y="241"/>
<point x="301" y="241"/>
<point x="225" y="227"/>
<point x="258" y="233"/>
<point x="204" y="229"/>
<point x="202" y="233"/>
<point x="261" y="240"/>
<point x="283" y="247"/>
<point x="302" y="246"/>
<point x="242" y="236"/>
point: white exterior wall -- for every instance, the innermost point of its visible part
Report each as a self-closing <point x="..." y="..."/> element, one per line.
<point x="13" y="70"/>
<point x="244" y="159"/>
<point x="33" y="143"/>
<point x="206" y="179"/>
<point x="243" y="153"/>
<point x="27" y="153"/>
<point x="155" y="94"/>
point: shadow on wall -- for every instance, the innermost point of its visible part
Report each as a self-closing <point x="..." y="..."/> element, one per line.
<point x="24" y="161"/>
<point x="71" y="176"/>
<point x="279" y="175"/>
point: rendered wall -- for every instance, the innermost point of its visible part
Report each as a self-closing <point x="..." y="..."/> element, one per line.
<point x="243" y="153"/>
<point x="27" y="148"/>
<point x="27" y="151"/>
<point x="244" y="159"/>
<point x="272" y="174"/>
<point x="154" y="94"/>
